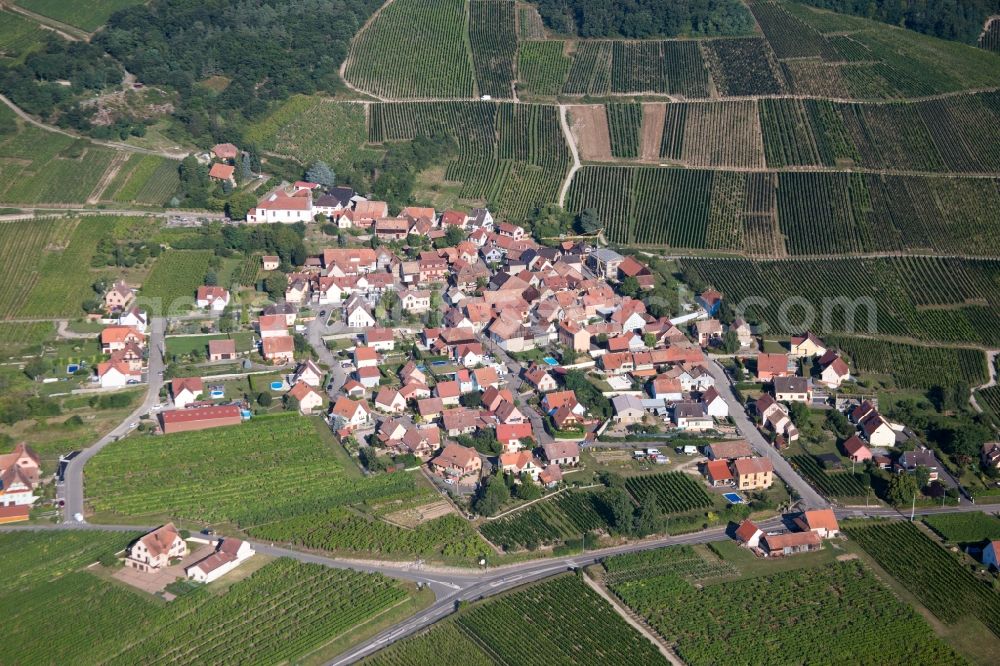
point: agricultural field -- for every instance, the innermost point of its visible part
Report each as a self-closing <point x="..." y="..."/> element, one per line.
<point x="542" y="67"/>
<point x="990" y="39"/>
<point x="19" y="36"/>
<point x="724" y="134"/>
<point x="912" y="366"/>
<point x="513" y="155"/>
<point x="676" y="492"/>
<point x="493" y="37"/>
<point x="104" y="621"/>
<point x="965" y="527"/>
<point x="563" y="613"/>
<point x="88" y="15"/>
<point x="831" y="484"/>
<point x="603" y="67"/>
<point x="682" y="561"/>
<point x="568" y="516"/>
<point x="433" y="36"/>
<point x="870" y="296"/>
<point x="624" y="124"/>
<point x="175" y="278"/>
<point x="145" y="179"/>
<point x="936" y="577"/>
<point x="990" y="398"/>
<point x="744" y="67"/>
<point x="798" y="610"/>
<point x="530" y="25"/>
<point x="14" y="337"/>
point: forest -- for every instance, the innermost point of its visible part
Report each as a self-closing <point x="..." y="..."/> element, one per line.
<point x="959" y="20"/>
<point x="639" y="19"/>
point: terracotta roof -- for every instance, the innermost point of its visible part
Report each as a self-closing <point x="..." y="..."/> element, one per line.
<point x="221" y="347"/>
<point x="791" y="540"/>
<point x="192" y="384"/>
<point x="821" y="519"/>
<point x="226" y="151"/>
<point x="559" y="449"/>
<point x="119" y="334"/>
<point x="736" y="449"/>
<point x="200" y="414"/>
<point x="160" y="540"/>
<point x="508" y="431"/>
<point x="275" y="322"/>
<point x="301" y="390"/>
<point x="455" y="455"/>
<point x="365" y="354"/>
<point x="744" y="466"/>
<point x="347" y="408"/>
<point x="718" y="470"/>
<point x="221" y="171"/>
<point x="746" y="530"/>
<point x="278" y="345"/>
<point x="772" y="363"/>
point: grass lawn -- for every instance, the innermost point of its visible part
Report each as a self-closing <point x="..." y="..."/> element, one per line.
<point x="751" y="566"/>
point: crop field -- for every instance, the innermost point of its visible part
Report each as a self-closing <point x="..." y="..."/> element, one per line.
<point x="933" y="575"/>
<point x="567" y="516"/>
<point x="493" y="36"/>
<point x="22" y="245"/>
<point x="16" y="336"/>
<point x="990" y="398"/>
<point x="87" y="15"/>
<point x="18" y="37"/>
<point x="831" y="484"/>
<point x="676" y="492"/>
<point x="682" y="561"/>
<point x="513" y="155"/>
<point x="955" y="134"/>
<point x="602" y="67"/>
<point x="869" y="296"/>
<point x="542" y="67"/>
<point x="260" y="619"/>
<point x="205" y="476"/>
<point x="548" y="623"/>
<point x="801" y="609"/>
<point x="145" y="179"/>
<point x="339" y="530"/>
<point x="990" y="39"/>
<point x="434" y="37"/>
<point x="789" y="36"/>
<point x="530" y="25"/>
<point x="175" y="278"/>
<point x="744" y="67"/>
<point x="624" y="123"/>
<point x="912" y="366"/>
<point x="719" y="134"/>
<point x="965" y="527"/>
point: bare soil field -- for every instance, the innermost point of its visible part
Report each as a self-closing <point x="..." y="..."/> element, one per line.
<point x="589" y="124"/>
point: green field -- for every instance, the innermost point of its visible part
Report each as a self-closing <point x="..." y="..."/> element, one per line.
<point x="911" y="366"/>
<point x="87" y="15"/>
<point x="542" y="67"/>
<point x="145" y="179"/>
<point x="965" y="527"/>
<point x="493" y="39"/>
<point x="433" y="35"/>
<point x="175" y="278"/>
<point x="779" y="618"/>
<point x="19" y="36"/>
<point x="933" y="575"/>
<point x="548" y="623"/>
<point x="864" y="296"/>
<point x="259" y="619"/>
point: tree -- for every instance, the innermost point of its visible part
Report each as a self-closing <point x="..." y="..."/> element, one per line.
<point x="799" y="413"/>
<point x="211" y="279"/>
<point x="320" y="172"/>
<point x="264" y="399"/>
<point x="630" y="287"/>
<point x="492" y="495"/>
<point x="649" y="518"/>
<point x="239" y="205"/>
<point x="528" y="490"/>
<point x="275" y="285"/>
<point x="453" y="236"/>
<point x="620" y="509"/>
<point x="36" y="368"/>
<point x="291" y="403"/>
<point x="922" y="475"/>
<point x="243" y="171"/>
<point x="902" y="489"/>
<point x="730" y="342"/>
<point x="471" y="400"/>
<point x="589" y="221"/>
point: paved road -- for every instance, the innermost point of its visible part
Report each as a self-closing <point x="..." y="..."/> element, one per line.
<point x="315" y="331"/>
<point x="514" y="383"/>
<point x="72" y="487"/>
<point x="810" y="498"/>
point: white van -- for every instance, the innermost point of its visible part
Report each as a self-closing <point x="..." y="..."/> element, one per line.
<point x="652" y="452"/>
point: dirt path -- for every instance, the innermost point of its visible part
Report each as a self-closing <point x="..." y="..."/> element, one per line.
<point x="627" y="615"/>
<point x="62" y="330"/>
<point x="991" y="360"/>
<point x="117" y="162"/>
<point x="572" y="149"/>
<point x="64" y="30"/>
<point x="651" y="134"/>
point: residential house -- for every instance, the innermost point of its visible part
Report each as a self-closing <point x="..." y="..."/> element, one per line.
<point x="792" y="389"/>
<point x="743" y="333"/>
<point x="448" y="392"/>
<point x="154" y="551"/>
<point x="308" y="397"/>
<point x="990" y="455"/>
<point x="460" y="421"/>
<point x="573" y="336"/>
<point x="708" y="331"/>
<point x="229" y="554"/>
<point x="753" y="473"/>
<point x="469" y="354"/>
<point x="430" y="408"/>
<point x="410" y="373"/>
<point x="116" y="338"/>
<point x="861" y="412"/>
<point x="116" y="374"/>
<point x="415" y="301"/>
<point x="718" y="474"/>
<point x="134" y="318"/>
<point x="380" y="339"/>
<point x="770" y="366"/>
<point x="365" y="357"/>
<point x="309" y="373"/>
<point x="834" y="371"/>
<point x="551" y="476"/>
<point x="710" y="300"/>
<point x="270" y="262"/>
<point x="457" y="462"/>
<point x="20" y="472"/>
<point x="278" y="206"/>
<point x="507" y="412"/>
<point x="691" y="416"/>
<point x="821" y="521"/>
<point x="484" y="378"/>
<point x="749" y="534"/>
<point x="368" y="376"/>
<point x="605" y="262"/>
<point x="222" y="350"/>
<point x="855" y="449"/>
<point x="538" y="377"/>
<point x="272" y="326"/>
<point x="513" y="436"/>
<point x="225" y="151"/>
<point x="729" y="450"/>
<point x="630" y="267"/>
<point x="357" y="313"/>
<point x="877" y="432"/>
<point x="287" y="310"/>
<point x="715" y="405"/>
<point x="666" y="388"/>
<point x="628" y="409"/>
<point x="186" y="390"/>
<point x="389" y="400"/>
<point x="790" y="543"/>
<point x="222" y="173"/>
<point x="347" y="413"/>
<point x="118" y="297"/>
<point x="278" y="350"/>
<point x="909" y="461"/>
<point x="562" y="453"/>
<point x="807" y="345"/>
<point x="521" y="462"/>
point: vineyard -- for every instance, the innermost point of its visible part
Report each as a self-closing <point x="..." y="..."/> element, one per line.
<point x="145" y="179"/>
<point x="342" y="531"/>
<point x="261" y="619"/>
<point x="724" y="134"/>
<point x="933" y="575"/>
<point x="785" y="616"/>
<point x="445" y="643"/>
<point x="743" y="67"/>
<point x="990" y="39"/>
<point x="568" y="516"/>
<point x="87" y="15"/>
<point x="264" y="471"/>
<point x="990" y="398"/>
<point x="564" y="613"/>
<point x="602" y="67"/>
<point x="433" y="36"/>
<point x="18" y="37"/>
<point x="965" y="527"/>
<point x="870" y="296"/>
<point x="835" y="484"/>
<point x="542" y="67"/>
<point x="175" y="278"/>
<point x="912" y="366"/>
<point x="513" y="155"/>
<point x="682" y="561"/>
<point x="676" y="492"/>
<point x="493" y="37"/>
<point x="624" y="125"/>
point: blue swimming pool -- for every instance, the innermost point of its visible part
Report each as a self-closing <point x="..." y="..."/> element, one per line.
<point x="733" y="498"/>
<point x="439" y="363"/>
<point x="71" y="368"/>
<point x="276" y="386"/>
<point x="215" y="395"/>
<point x="550" y="360"/>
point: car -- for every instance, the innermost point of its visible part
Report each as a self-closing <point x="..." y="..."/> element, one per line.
<point x="450" y="482"/>
<point x="208" y="531"/>
<point x="132" y="381"/>
<point x="322" y="313"/>
<point x="133" y="426"/>
<point x="78" y="517"/>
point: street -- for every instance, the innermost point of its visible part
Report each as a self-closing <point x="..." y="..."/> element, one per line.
<point x="514" y="383"/>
